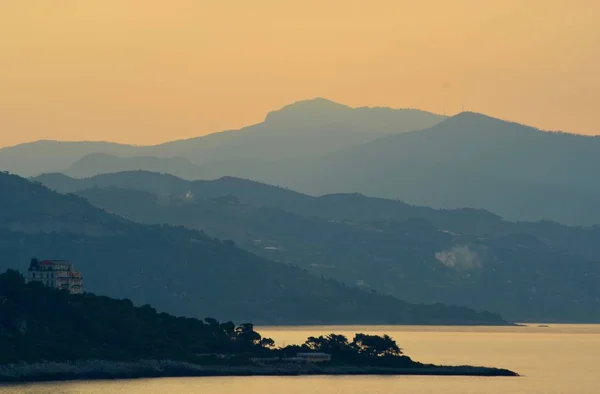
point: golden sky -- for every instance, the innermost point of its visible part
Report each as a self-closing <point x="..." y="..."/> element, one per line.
<point x="147" y="71"/>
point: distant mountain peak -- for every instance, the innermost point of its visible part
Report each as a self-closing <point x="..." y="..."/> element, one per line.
<point x="317" y="103"/>
<point x="321" y="113"/>
<point x="476" y="119"/>
<point x="317" y="108"/>
<point x="470" y="115"/>
<point x="474" y="122"/>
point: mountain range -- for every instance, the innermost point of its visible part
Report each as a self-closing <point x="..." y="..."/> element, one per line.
<point x="321" y="147"/>
<point x="303" y="129"/>
<point x="185" y="271"/>
<point x="527" y="271"/>
<point x="471" y="160"/>
<point x="470" y="210"/>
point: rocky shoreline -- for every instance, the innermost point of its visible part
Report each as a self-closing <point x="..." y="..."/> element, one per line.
<point x="104" y="370"/>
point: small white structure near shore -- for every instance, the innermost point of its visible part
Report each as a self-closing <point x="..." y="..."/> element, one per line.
<point x="314" y="357"/>
<point x="301" y="358"/>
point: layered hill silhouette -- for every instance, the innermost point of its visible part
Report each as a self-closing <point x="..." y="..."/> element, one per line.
<point x="470" y="160"/>
<point x="527" y="271"/>
<point x="320" y="147"/>
<point x="184" y="271"/>
<point x="96" y="163"/>
<point x="303" y="129"/>
<point x="341" y="206"/>
<point x="31" y="158"/>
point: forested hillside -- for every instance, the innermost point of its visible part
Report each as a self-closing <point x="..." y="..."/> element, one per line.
<point x="527" y="271"/>
<point x="185" y="271"/>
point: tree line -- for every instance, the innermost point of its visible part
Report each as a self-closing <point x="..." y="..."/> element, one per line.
<point x="38" y="323"/>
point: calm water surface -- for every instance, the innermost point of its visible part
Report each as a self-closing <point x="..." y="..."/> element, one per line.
<point x="552" y="360"/>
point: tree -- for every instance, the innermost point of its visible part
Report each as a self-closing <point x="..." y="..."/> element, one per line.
<point x="376" y="346"/>
<point x="228" y="328"/>
<point x="11" y="279"/>
<point x="332" y="343"/>
<point x="244" y="328"/>
<point x="246" y="336"/>
<point x="211" y="321"/>
<point x="267" y="342"/>
<point x="38" y="323"/>
<point x="315" y="343"/>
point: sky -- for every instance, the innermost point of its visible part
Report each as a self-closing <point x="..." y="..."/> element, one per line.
<point x="148" y="71"/>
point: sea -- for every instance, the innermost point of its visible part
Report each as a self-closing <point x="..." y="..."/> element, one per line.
<point x="552" y="359"/>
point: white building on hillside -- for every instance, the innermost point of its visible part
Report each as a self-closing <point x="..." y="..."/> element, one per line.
<point x="58" y="274"/>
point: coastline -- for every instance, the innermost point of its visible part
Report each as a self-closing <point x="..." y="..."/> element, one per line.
<point x="109" y="370"/>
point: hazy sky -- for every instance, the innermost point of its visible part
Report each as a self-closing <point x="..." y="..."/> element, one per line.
<point x="153" y="70"/>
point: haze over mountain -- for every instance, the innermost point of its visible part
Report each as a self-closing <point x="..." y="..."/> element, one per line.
<point x="303" y="129"/>
<point x="527" y="271"/>
<point x="91" y="71"/>
<point x="320" y="147"/>
<point x="469" y="160"/>
<point x="185" y="271"/>
<point x="100" y="163"/>
<point x="31" y="158"/>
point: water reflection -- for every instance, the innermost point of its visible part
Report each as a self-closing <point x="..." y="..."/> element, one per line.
<point x="560" y="359"/>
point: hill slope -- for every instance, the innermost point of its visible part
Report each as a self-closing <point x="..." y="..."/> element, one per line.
<point x="303" y="129"/>
<point x="320" y="147"/>
<point x="527" y="271"/>
<point x="43" y="156"/>
<point x="99" y="163"/>
<point x="341" y="206"/>
<point x="184" y="271"/>
<point x="40" y="324"/>
<point x="469" y="160"/>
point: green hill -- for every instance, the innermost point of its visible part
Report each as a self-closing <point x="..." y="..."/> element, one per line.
<point x="48" y="334"/>
<point x="184" y="271"/>
<point x="526" y="271"/>
<point x="38" y="323"/>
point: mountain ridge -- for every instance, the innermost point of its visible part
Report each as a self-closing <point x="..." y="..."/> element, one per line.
<point x="526" y="271"/>
<point x="185" y="271"/>
<point x="98" y="163"/>
<point x="280" y="138"/>
<point x="467" y="160"/>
